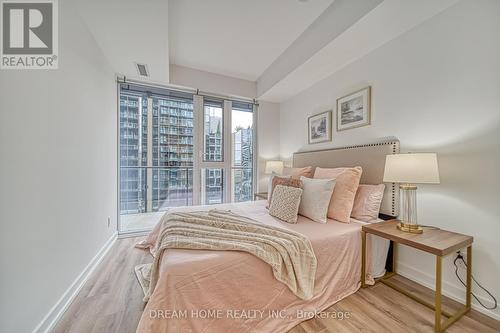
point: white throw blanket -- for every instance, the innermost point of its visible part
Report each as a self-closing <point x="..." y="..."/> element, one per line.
<point x="289" y="253"/>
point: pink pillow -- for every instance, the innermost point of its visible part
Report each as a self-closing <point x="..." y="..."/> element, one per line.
<point x="298" y="172"/>
<point x="340" y="207"/>
<point x="367" y="202"/>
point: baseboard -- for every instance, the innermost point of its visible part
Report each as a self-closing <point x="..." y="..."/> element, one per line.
<point x="134" y="234"/>
<point x="452" y="291"/>
<point x="51" y="319"/>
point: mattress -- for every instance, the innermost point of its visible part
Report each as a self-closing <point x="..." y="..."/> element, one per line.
<point x="217" y="291"/>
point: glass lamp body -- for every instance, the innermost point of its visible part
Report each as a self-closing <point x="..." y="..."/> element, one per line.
<point x="409" y="209"/>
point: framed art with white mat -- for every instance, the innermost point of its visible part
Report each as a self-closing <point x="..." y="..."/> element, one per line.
<point x="354" y="110"/>
<point x="320" y="127"/>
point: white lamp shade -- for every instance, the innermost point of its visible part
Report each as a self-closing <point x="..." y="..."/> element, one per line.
<point x="414" y="168"/>
<point x="274" y="166"/>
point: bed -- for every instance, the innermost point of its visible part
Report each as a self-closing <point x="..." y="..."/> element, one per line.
<point x="233" y="291"/>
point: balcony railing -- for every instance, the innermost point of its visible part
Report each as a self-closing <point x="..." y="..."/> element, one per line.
<point x="242" y="183"/>
<point x="154" y="189"/>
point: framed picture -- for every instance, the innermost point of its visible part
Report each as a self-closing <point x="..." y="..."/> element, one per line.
<point x="354" y="110"/>
<point x="320" y="127"/>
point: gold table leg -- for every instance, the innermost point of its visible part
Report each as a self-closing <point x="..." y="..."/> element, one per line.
<point x="437" y="312"/>
<point x="439" y="325"/>
<point x="394" y="256"/>
<point x="363" y="259"/>
<point x="468" y="295"/>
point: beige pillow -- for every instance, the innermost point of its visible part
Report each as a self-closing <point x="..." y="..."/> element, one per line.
<point x="342" y="200"/>
<point x="367" y="202"/>
<point x="298" y="172"/>
<point x="316" y="195"/>
<point x="285" y="203"/>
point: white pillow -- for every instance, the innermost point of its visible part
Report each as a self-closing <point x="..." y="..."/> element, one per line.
<point x="316" y="195"/>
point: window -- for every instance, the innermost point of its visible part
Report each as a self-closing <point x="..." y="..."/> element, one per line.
<point x="212" y="181"/>
<point x="242" y="151"/>
<point x="156" y="154"/>
<point x="161" y="157"/>
<point x="213" y="128"/>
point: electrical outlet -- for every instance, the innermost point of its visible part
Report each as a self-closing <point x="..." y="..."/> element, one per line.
<point x="109" y="221"/>
<point x="461" y="256"/>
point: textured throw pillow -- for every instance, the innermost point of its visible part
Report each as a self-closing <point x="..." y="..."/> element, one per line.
<point x="285" y="203"/>
<point x="285" y="181"/>
<point x="298" y="172"/>
<point x="342" y="200"/>
<point x="316" y="195"/>
<point x="367" y="202"/>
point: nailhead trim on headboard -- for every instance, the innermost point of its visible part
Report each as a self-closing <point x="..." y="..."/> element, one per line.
<point x="395" y="150"/>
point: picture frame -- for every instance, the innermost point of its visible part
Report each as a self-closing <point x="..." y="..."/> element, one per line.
<point x="320" y="127"/>
<point x="354" y="110"/>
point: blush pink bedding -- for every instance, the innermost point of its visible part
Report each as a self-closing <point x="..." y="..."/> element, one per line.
<point x="231" y="291"/>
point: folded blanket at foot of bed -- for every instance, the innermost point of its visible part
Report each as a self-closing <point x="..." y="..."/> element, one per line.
<point x="289" y="253"/>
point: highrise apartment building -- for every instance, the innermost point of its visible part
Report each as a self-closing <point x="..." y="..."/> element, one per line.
<point x="242" y="164"/>
<point x="157" y="151"/>
<point x="156" y="157"/>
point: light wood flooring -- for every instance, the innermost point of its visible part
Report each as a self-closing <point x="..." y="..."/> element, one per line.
<point x="111" y="301"/>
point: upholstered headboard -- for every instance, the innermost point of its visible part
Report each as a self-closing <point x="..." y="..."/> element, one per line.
<point x="371" y="157"/>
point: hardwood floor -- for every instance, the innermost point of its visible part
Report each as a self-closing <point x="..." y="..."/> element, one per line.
<point x="111" y="301"/>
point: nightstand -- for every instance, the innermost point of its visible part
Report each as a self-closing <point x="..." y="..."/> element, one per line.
<point x="434" y="241"/>
<point x="260" y="196"/>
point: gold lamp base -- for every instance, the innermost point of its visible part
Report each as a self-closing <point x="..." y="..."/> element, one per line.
<point x="411" y="228"/>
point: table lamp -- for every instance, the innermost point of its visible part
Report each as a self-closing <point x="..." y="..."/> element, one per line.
<point x="408" y="170"/>
<point x="274" y="166"/>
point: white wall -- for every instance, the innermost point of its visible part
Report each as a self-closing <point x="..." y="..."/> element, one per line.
<point x="268" y="140"/>
<point x="58" y="160"/>
<point x="436" y="88"/>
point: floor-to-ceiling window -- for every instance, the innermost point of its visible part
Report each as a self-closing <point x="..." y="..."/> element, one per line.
<point x="212" y="172"/>
<point x="242" y="154"/>
<point x="164" y="163"/>
<point x="156" y="154"/>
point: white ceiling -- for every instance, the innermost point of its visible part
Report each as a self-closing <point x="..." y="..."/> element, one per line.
<point x="386" y="22"/>
<point x="280" y="46"/>
<point x="238" y="38"/>
<point x="130" y="31"/>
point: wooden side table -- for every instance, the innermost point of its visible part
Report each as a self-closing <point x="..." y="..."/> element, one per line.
<point x="434" y="241"/>
<point x="260" y="196"/>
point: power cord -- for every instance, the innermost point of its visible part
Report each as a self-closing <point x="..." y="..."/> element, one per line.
<point x="460" y="257"/>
